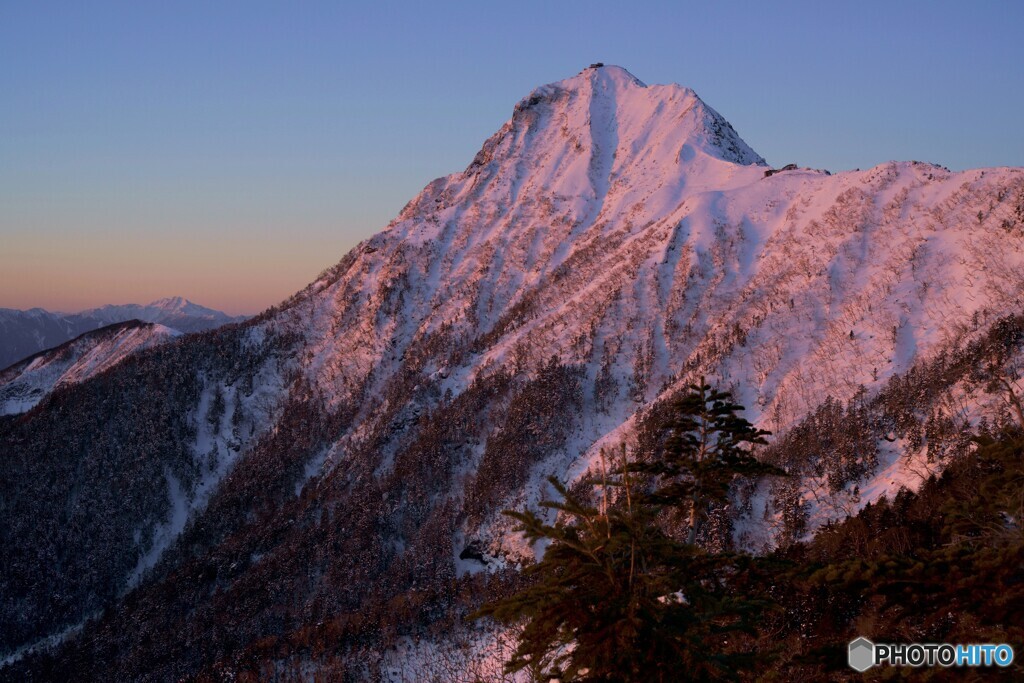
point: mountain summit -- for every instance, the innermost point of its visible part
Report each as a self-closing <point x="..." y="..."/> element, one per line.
<point x="175" y="312"/>
<point x="667" y="127"/>
<point x="319" y="489"/>
<point x="599" y="135"/>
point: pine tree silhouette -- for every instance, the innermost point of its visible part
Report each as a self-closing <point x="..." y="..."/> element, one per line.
<point x="707" y="446"/>
<point x="615" y="598"/>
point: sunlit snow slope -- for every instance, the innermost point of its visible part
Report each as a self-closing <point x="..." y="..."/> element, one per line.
<point x="25" y="384"/>
<point x="627" y="228"/>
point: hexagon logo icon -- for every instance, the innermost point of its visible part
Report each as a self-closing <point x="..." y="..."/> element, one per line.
<point x="861" y="655"/>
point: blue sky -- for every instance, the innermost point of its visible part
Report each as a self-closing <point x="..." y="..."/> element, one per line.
<point x="229" y="151"/>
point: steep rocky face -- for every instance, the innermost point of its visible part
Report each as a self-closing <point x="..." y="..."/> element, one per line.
<point x="610" y="244"/>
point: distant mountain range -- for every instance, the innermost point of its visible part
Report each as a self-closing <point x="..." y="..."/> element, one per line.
<point x="23" y="333"/>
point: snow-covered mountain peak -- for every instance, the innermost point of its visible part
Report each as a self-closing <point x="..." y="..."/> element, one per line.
<point x="171" y="303"/>
<point x="628" y="230"/>
<point x="175" y="312"/>
<point x="605" y="143"/>
<point x="178" y="305"/>
<point x="610" y="245"/>
<point x="598" y="79"/>
<point x="675" y="113"/>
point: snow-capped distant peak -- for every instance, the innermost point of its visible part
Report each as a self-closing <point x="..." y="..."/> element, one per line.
<point x="182" y="306"/>
<point x="174" y="303"/>
<point x="175" y="312"/>
<point x="23" y="333"/>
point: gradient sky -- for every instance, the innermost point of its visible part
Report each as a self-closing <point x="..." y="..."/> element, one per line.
<point x="229" y="151"/>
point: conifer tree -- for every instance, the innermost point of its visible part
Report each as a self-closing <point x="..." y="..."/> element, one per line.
<point x="615" y="598"/>
<point x="707" y="446"/>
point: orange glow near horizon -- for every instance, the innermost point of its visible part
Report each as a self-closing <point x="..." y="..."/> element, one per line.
<point x="235" y="274"/>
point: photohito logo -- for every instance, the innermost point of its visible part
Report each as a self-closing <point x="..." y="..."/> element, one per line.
<point x="862" y="654"/>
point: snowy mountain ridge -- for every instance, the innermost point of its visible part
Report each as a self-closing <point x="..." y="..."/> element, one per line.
<point x="23" y="333"/>
<point x="25" y="384"/>
<point x="176" y="312"/>
<point x="348" y="452"/>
